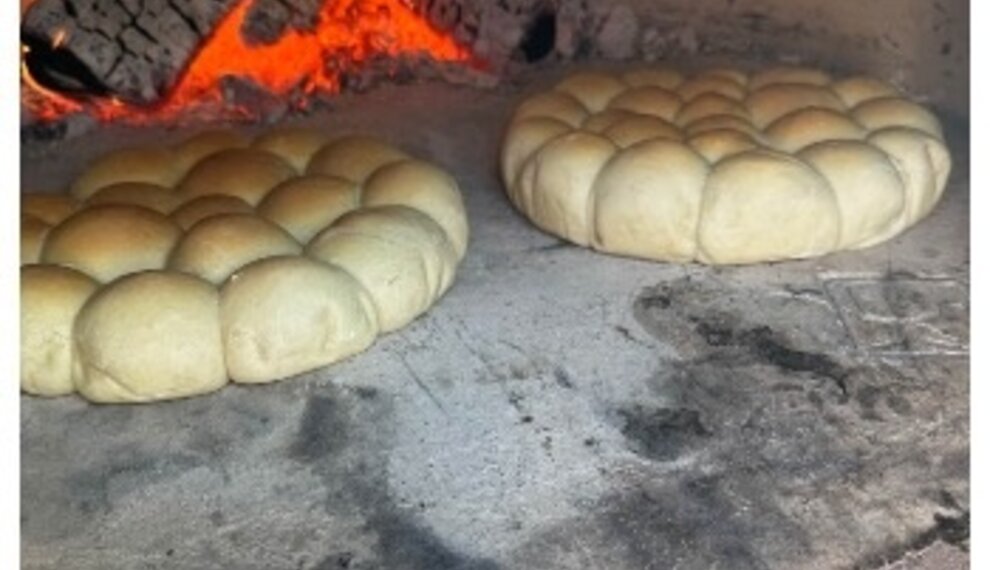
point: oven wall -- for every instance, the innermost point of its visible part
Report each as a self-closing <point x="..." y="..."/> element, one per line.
<point x="922" y="45"/>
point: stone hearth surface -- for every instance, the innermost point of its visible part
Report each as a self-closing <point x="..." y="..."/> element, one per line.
<point x="557" y="409"/>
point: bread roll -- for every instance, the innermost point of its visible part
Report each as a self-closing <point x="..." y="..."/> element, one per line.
<point x="649" y="200"/>
<point x="51" y="297"/>
<point x="404" y="271"/>
<point x="803" y="127"/>
<point x="150" y="336"/>
<point x="869" y="191"/>
<point x="424" y="187"/>
<point x="565" y="174"/>
<point x="201" y="145"/>
<point x="244" y="173"/>
<point x="217" y="246"/>
<point x="761" y="205"/>
<point x="106" y="242"/>
<point x="305" y="205"/>
<point x="281" y="316"/>
<point x="353" y="158"/>
<point x="296" y="145"/>
<point x="153" y="165"/>
<point x="593" y="89"/>
<point x="191" y="212"/>
<point x="649" y="100"/>
<point x="769" y="103"/>
<point x="704" y="84"/>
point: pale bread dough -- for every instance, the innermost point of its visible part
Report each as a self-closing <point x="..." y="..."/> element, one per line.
<point x="284" y="315"/>
<point x="149" y="336"/>
<point x="51" y="297"/>
<point x="400" y="255"/>
<point x="263" y="258"/>
<point x="217" y="246"/>
<point x="724" y="166"/>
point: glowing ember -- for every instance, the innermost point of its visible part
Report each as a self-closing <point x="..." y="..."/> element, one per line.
<point x="348" y="33"/>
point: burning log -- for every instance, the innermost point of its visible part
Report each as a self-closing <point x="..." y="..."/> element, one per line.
<point x="267" y="20"/>
<point x="132" y="49"/>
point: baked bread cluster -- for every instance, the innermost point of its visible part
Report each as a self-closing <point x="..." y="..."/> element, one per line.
<point x="166" y="272"/>
<point x="723" y="167"/>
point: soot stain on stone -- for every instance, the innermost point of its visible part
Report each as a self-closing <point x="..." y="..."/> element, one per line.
<point x="323" y="430"/>
<point x="952" y="530"/>
<point x="350" y="457"/>
<point x="403" y="543"/>
<point x="662" y="434"/>
<point x="766" y="345"/>
<point x="694" y="522"/>
<point x="562" y="378"/>
<point x="94" y="489"/>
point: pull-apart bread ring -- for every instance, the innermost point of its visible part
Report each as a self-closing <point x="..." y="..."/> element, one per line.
<point x="723" y="167"/>
<point x="168" y="272"/>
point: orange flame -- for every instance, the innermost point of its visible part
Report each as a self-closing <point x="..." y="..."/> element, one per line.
<point x="348" y="31"/>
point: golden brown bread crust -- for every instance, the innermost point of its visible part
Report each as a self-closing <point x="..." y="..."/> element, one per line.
<point x="152" y="196"/>
<point x="723" y="167"/>
<point x="33" y="232"/>
<point x="191" y="212"/>
<point x="106" y="242"/>
<point x="222" y="249"/>
<point x="245" y="173"/>
<point x="49" y="208"/>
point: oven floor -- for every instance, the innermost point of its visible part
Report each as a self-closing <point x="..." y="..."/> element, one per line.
<point x="558" y="408"/>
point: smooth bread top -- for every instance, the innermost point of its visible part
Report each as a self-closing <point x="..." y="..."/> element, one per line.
<point x="723" y="166"/>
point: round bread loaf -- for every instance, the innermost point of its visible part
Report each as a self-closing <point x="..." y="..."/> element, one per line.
<point x="284" y="315"/>
<point x="723" y="167"/>
<point x="400" y="255"/>
<point x="383" y="246"/>
<point x="307" y="204"/>
<point x="217" y="246"/>
<point x="295" y="144"/>
<point x="51" y="297"/>
<point x="106" y="242"/>
<point x="153" y="165"/>
<point x="197" y="209"/>
<point x="197" y="147"/>
<point x="149" y="336"/>
<point x="353" y="158"/>
<point x="245" y="173"/>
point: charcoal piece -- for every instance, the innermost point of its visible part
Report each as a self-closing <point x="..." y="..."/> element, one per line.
<point x="268" y="20"/>
<point x="134" y="50"/>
